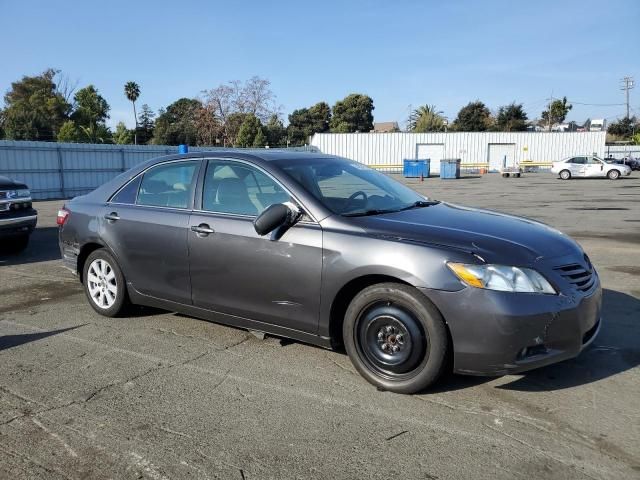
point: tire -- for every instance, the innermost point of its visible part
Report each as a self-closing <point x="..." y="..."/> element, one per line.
<point x="104" y="284"/>
<point x="613" y="174"/>
<point x="395" y="338"/>
<point x="565" y="174"/>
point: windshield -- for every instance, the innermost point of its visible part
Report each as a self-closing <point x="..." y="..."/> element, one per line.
<point x="349" y="188"/>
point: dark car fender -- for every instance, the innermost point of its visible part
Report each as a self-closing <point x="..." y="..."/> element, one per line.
<point x="352" y="263"/>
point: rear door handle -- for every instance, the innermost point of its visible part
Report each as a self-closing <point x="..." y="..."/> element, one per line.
<point x="112" y="217"/>
<point x="202" y="230"/>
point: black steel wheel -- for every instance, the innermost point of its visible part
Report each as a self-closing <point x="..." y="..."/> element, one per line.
<point x="395" y="338"/>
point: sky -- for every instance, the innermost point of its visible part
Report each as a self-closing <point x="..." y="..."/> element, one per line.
<point x="401" y="53"/>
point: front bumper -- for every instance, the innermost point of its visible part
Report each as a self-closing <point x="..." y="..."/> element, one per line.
<point x="498" y="333"/>
<point x="15" y="224"/>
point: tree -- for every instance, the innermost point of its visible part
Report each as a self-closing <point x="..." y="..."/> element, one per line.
<point x="122" y="135"/>
<point x="624" y="128"/>
<point x="248" y="131"/>
<point x="426" y="119"/>
<point x="556" y="113"/>
<point x="145" y="125"/>
<point x="68" y="132"/>
<point x="511" y="118"/>
<point x="275" y="131"/>
<point x="90" y="114"/>
<point x="260" y="139"/>
<point x="354" y="113"/>
<point x="473" y="117"/>
<point x="207" y="125"/>
<point x="132" y="92"/>
<point x="177" y="124"/>
<point x="34" y="108"/>
<point x="305" y="122"/>
<point x="227" y="101"/>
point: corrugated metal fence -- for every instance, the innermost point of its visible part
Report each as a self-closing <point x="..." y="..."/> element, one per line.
<point x="65" y="170"/>
<point x="471" y="147"/>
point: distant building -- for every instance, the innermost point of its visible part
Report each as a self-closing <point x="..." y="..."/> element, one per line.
<point x="385" y="127"/>
<point x="493" y="148"/>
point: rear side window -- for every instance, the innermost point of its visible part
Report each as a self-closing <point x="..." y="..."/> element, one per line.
<point x="127" y="195"/>
<point x="579" y="160"/>
<point x="169" y="185"/>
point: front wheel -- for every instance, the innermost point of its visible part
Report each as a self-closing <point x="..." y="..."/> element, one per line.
<point x="613" y="174"/>
<point x="565" y="174"/>
<point x="395" y="338"/>
<point x="104" y="284"/>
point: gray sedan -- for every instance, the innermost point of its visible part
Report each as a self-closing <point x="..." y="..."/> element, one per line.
<point x="327" y="251"/>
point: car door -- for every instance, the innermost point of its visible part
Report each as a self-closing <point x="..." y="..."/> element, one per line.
<point x="236" y="271"/>
<point x="594" y="168"/>
<point x="578" y="166"/>
<point x="146" y="225"/>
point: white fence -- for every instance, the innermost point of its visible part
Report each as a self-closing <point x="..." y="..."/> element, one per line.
<point x="470" y="147"/>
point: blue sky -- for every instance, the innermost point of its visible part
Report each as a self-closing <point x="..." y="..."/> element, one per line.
<point x="400" y="53"/>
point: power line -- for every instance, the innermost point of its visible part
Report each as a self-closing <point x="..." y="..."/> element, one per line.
<point x="597" y="104"/>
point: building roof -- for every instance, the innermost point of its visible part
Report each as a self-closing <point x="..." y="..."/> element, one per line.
<point x="384" y="127"/>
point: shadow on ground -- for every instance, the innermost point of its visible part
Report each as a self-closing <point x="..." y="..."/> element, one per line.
<point x="43" y="246"/>
<point x="10" y="341"/>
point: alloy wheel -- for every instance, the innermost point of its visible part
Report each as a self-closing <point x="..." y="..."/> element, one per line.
<point x="102" y="283"/>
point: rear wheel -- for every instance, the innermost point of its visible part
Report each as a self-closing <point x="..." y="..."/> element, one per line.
<point x="395" y="338"/>
<point x="613" y="174"/>
<point x="104" y="284"/>
<point x="565" y="174"/>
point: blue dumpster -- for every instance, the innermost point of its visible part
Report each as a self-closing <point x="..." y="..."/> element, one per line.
<point x="450" y="168"/>
<point x="416" y="168"/>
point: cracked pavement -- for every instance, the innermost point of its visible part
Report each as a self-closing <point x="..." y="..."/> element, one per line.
<point x="161" y="396"/>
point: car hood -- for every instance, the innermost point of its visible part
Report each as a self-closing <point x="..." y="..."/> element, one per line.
<point x="6" y="183"/>
<point x="496" y="237"/>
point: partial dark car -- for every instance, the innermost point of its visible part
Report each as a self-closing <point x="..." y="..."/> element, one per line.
<point x="632" y="163"/>
<point x="327" y="251"/>
<point x="17" y="215"/>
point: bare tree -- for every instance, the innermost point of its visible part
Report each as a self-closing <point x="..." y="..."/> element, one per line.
<point x="236" y="97"/>
<point x="65" y="86"/>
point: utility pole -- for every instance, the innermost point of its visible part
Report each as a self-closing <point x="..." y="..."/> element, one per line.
<point x="627" y="84"/>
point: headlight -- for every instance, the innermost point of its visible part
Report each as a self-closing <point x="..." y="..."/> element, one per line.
<point x="22" y="193"/>
<point x="503" y="278"/>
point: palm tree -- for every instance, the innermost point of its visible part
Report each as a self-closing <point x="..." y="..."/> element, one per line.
<point x="132" y="91"/>
<point x="426" y="119"/>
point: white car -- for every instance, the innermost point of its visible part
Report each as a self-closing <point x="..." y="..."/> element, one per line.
<point x="588" y="166"/>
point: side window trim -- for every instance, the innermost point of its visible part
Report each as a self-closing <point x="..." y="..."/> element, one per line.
<point x="198" y="203"/>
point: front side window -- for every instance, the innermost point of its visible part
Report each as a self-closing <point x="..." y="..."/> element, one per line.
<point x="350" y="188"/>
<point x="168" y="185"/>
<point x="238" y="188"/>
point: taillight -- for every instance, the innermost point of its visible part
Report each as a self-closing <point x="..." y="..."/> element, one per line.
<point x="63" y="216"/>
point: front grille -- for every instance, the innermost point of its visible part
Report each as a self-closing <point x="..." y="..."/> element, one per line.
<point x="582" y="276"/>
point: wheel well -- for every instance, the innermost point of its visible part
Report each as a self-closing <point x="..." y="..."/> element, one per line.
<point x="343" y="299"/>
<point x="85" y="251"/>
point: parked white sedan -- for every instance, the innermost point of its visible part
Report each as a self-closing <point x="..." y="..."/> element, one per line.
<point x="588" y="166"/>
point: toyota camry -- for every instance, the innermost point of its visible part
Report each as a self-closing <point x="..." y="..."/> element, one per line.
<point x="327" y="251"/>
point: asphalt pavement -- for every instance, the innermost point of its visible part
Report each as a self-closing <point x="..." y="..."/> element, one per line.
<point x="161" y="395"/>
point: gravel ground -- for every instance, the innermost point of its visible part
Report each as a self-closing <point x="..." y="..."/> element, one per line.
<point x="160" y="395"/>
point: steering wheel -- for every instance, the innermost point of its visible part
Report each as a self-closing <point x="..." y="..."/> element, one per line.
<point x="352" y="197"/>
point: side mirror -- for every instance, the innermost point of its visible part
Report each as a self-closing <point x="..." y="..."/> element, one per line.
<point x="275" y="216"/>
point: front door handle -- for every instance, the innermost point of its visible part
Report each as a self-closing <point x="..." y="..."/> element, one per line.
<point x="202" y="230"/>
<point x="112" y="217"/>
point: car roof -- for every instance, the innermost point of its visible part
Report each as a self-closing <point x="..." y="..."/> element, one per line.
<point x="268" y="155"/>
